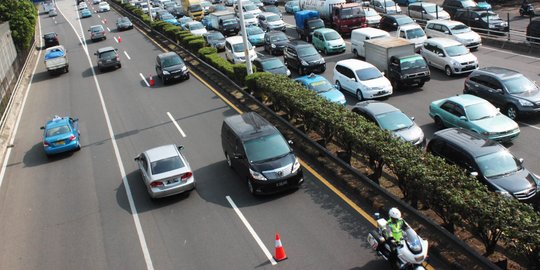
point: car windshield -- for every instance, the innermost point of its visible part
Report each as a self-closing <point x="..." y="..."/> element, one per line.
<point x="320" y="86"/>
<point x="206" y="4"/>
<point x="367" y="74"/>
<point x="480" y="111"/>
<point x="196" y="26"/>
<point x="468" y="3"/>
<point x="460" y="28"/>
<point x="315" y="24"/>
<point x="394" y="121"/>
<point x="489" y="16"/>
<point x="167" y="17"/>
<point x="293" y="3"/>
<point x="370" y="12"/>
<point x="412" y="62"/>
<point x="456" y="50"/>
<point x="266" y="147"/>
<point x="195" y="8"/>
<point x="228" y="22"/>
<point x="96" y="29"/>
<point x="348" y="13"/>
<point x="49" y="35"/>
<point x="404" y="20"/>
<point x="273" y="18"/>
<point x="415" y="33"/>
<point x="279" y="37"/>
<point x="166" y="164"/>
<point x="520" y="84"/>
<point x="59" y="130"/>
<point x="172" y="61"/>
<point x="272" y="64"/>
<point x="250" y="7"/>
<point x="186" y="19"/>
<point x="332" y="36"/>
<point x="249" y="16"/>
<point x="254" y="31"/>
<point x="107" y="55"/>
<point x="272" y="9"/>
<point x="216" y="36"/>
<point x="307" y="51"/>
<point x="432" y="8"/>
<point x="239" y="47"/>
<point x="388" y="3"/>
<point x="498" y="164"/>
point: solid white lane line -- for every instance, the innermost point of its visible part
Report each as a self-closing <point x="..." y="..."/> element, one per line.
<point x="16" y="127"/>
<point x="115" y="39"/>
<point x="144" y="79"/>
<point x="133" y="209"/>
<point x="108" y="29"/>
<point x="250" y="229"/>
<point x="98" y="16"/>
<point x="127" y="55"/>
<point x="529" y="125"/>
<point x="176" y="124"/>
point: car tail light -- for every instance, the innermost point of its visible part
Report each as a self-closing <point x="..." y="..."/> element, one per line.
<point x="72" y="137"/>
<point x="186" y="176"/>
<point x="46" y="144"/>
<point x="118" y="58"/>
<point x="156" y="184"/>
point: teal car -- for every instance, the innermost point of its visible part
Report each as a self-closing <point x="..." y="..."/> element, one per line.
<point x="475" y="114"/>
<point x="292" y="7"/>
<point x="255" y="35"/>
<point x="328" y="41"/>
<point x="322" y="87"/>
<point x="85" y="13"/>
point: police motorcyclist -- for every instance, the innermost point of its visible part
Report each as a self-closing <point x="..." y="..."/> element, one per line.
<point x="393" y="233"/>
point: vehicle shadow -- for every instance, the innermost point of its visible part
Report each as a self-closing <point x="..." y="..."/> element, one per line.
<point x="35" y="156"/>
<point x="45" y="75"/>
<point x="88" y="72"/>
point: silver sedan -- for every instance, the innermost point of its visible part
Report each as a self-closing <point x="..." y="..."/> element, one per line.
<point x="165" y="171"/>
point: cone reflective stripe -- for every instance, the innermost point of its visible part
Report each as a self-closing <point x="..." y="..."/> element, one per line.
<point x="151" y="80"/>
<point x="280" y="251"/>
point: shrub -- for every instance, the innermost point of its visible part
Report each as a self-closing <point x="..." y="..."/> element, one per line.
<point x="146" y="19"/>
<point x="221" y="64"/>
<point x="195" y="45"/>
<point x="187" y="39"/>
<point x="137" y="12"/>
<point x="170" y="30"/>
<point x="206" y="50"/>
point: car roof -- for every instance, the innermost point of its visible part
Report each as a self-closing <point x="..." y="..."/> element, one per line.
<point x="161" y="152"/>
<point x="443" y="41"/>
<point x="307" y="79"/>
<point x="56" y="121"/>
<point x="250" y="125"/>
<point x="106" y="49"/>
<point x="234" y="39"/>
<point x="469" y="141"/>
<point x="167" y="54"/>
<point x="499" y="72"/>
<point x="421" y="4"/>
<point x="375" y="107"/>
<point x="370" y="31"/>
<point x="445" y="22"/>
<point x="466" y="99"/>
<point x="394" y="15"/>
<point x="266" y="58"/>
<point x="324" y="30"/>
<point x="298" y="43"/>
<point x="268" y="13"/>
<point x="354" y="64"/>
<point x="409" y="26"/>
<point x="193" y="22"/>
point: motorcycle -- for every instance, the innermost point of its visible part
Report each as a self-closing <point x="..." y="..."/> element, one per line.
<point x="409" y="254"/>
<point x="527" y="10"/>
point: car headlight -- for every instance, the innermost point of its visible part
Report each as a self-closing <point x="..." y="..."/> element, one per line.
<point x="491" y="26"/>
<point x="504" y="193"/>
<point x="257" y="175"/>
<point x="273" y="46"/>
<point x="288" y="72"/>
<point x="486" y="133"/>
<point x="184" y="68"/>
<point x="296" y="165"/>
<point x="455" y="64"/>
<point x="166" y="72"/>
<point x="304" y="63"/>
<point x="524" y="102"/>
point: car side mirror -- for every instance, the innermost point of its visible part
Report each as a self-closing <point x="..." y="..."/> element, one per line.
<point x="499" y="91"/>
<point x="238" y="156"/>
<point x="137" y="158"/>
<point x="441" y="54"/>
<point x="412" y="118"/>
<point x="180" y="148"/>
<point x="463" y="118"/>
<point x="75" y="119"/>
<point x="521" y="160"/>
<point x="474" y="174"/>
<point x="95" y="53"/>
<point x="394" y="24"/>
<point x="290" y="142"/>
<point x="41" y="127"/>
<point x="382" y="73"/>
<point x="447" y="32"/>
<point x="115" y="50"/>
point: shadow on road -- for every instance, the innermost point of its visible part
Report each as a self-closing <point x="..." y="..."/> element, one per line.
<point x="35" y="156"/>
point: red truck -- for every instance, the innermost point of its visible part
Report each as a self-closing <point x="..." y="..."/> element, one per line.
<point x="337" y="14"/>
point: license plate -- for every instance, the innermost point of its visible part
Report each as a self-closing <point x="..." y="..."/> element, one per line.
<point x="279" y="184"/>
<point x="60" y="143"/>
<point x="172" y="181"/>
<point x="108" y="60"/>
<point x="381" y="92"/>
<point x="176" y="76"/>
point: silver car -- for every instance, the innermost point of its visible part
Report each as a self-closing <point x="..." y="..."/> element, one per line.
<point x="165" y="171"/>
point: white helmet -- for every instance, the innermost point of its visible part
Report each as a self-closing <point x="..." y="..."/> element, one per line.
<point x="394" y="213"/>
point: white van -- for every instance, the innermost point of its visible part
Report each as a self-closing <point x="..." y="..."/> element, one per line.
<point x="358" y="36"/>
<point x="413" y="33"/>
<point x="454" y="30"/>
<point x="234" y="50"/>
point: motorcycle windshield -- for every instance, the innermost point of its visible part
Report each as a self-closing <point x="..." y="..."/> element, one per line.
<point x="413" y="241"/>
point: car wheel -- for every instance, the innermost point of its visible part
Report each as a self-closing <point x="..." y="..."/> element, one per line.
<point x="66" y="69"/>
<point x="229" y="162"/>
<point x="325" y="51"/>
<point x="511" y="111"/>
<point x="338" y="84"/>
<point x="438" y="122"/>
<point x="355" y="52"/>
<point x="119" y="65"/>
<point x="448" y="71"/>
<point x="421" y="84"/>
<point x="250" y="188"/>
<point x="359" y="95"/>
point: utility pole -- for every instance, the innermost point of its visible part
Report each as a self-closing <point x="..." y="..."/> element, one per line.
<point x="149" y="11"/>
<point x="244" y="38"/>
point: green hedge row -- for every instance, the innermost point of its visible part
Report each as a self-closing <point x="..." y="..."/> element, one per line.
<point x="22" y="18"/>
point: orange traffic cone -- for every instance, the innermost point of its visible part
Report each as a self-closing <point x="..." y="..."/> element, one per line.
<point x="119" y="39"/>
<point x="280" y="252"/>
<point x="151" y="80"/>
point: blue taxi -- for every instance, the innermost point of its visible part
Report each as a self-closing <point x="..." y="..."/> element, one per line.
<point x="322" y="87"/>
<point x="61" y="134"/>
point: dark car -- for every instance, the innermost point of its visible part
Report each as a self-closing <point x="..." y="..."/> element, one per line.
<point x="108" y="57"/>
<point x="491" y="162"/>
<point x="303" y="57"/>
<point x="273" y="9"/>
<point x="482" y="19"/>
<point x="51" y="39"/>
<point x="215" y="39"/>
<point x="533" y="31"/>
<point x="451" y="6"/>
<point x="507" y="89"/>
<point x="260" y="154"/>
<point x="270" y="2"/>
<point x="215" y="8"/>
<point x="123" y="23"/>
<point x="177" y="12"/>
<point x="274" y="42"/>
<point x="391" y="22"/>
<point x="272" y="65"/>
<point x="169" y="66"/>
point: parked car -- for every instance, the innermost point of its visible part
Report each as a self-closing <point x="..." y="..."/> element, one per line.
<point x="234" y="50"/>
<point x="53" y="12"/>
<point x="292" y="7"/>
<point x="255" y="35"/>
<point x="406" y="2"/>
<point x="448" y="55"/>
<point x="482" y="20"/>
<point x="271" y="21"/>
<point x="303" y="57"/>
<point x="103" y="7"/>
<point x="274" y="42"/>
<point x="108" y="57"/>
<point x="82" y="5"/>
<point x="272" y="65"/>
<point x="360" y="35"/>
<point x="260" y="154"/>
<point x="451" y="6"/>
<point x="215" y="8"/>
<point x="361" y="79"/>
<point x="391" y="119"/>
<point x="168" y="18"/>
<point x="270" y="2"/>
<point x="507" y="89"/>
<point x="489" y="161"/>
<point x="51" y="39"/>
<point x="97" y="32"/>
<point x="385" y="6"/>
<point x="85" y="13"/>
<point x="61" y="134"/>
<point x="533" y="31"/>
<point x="205" y="5"/>
<point x="272" y="9"/>
<point x="391" y="23"/>
<point x="250" y="20"/>
<point x="177" y="12"/>
<point x="453" y="30"/>
<point x="170" y="66"/>
<point x="322" y="87"/>
<point x="249" y="8"/>
<point x="476" y="114"/>
<point x="165" y="171"/>
<point x="196" y="28"/>
<point x="183" y="21"/>
<point x="328" y="41"/>
<point x="372" y="17"/>
<point x="413" y="33"/>
<point x="427" y="11"/>
<point x="215" y="39"/>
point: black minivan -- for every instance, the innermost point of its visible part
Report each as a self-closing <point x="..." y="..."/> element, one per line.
<point x="303" y="57"/>
<point x="260" y="154"/>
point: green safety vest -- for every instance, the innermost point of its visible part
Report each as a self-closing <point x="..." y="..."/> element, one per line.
<point x="397" y="232"/>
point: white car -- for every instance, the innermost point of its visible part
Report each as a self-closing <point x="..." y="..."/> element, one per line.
<point x="385" y="6"/>
<point x="249" y="8"/>
<point x="104" y="6"/>
<point x="427" y="11"/>
<point x="95" y="2"/>
<point x="196" y="28"/>
<point x="234" y="50"/>
<point x="372" y="17"/>
<point x="413" y="33"/>
<point x="454" y="30"/>
<point x="361" y="79"/>
<point x="82" y="5"/>
<point x="250" y="19"/>
<point x="448" y="55"/>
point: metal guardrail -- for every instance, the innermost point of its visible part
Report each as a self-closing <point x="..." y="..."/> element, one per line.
<point x="311" y="149"/>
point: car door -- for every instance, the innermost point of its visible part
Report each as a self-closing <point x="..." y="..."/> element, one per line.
<point x="159" y="72"/>
<point x="317" y="41"/>
<point x="349" y="82"/>
<point x="449" y="114"/>
<point x="414" y="11"/>
<point x="439" y="58"/>
<point x="143" y="168"/>
<point x="228" y="51"/>
<point x="293" y="58"/>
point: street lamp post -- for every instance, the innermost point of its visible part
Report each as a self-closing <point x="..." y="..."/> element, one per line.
<point x="149" y="11"/>
<point x="244" y="38"/>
